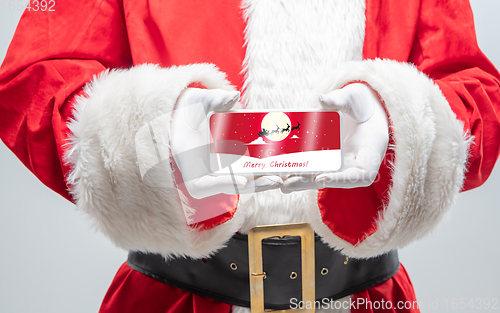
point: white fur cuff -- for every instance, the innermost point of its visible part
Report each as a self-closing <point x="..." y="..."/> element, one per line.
<point x="430" y="154"/>
<point x="112" y="127"/>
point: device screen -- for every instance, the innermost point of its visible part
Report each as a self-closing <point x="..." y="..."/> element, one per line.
<point x="244" y="142"/>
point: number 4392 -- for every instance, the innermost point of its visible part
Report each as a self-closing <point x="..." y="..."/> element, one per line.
<point x="43" y="5"/>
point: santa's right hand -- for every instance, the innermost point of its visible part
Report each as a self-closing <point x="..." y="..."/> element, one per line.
<point x="189" y="146"/>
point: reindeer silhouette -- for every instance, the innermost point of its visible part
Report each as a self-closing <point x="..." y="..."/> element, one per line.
<point x="287" y="129"/>
<point x="276" y="131"/>
<point x="296" y="127"/>
<point x="264" y="132"/>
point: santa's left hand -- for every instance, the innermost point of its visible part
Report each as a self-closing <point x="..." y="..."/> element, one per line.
<point x="365" y="138"/>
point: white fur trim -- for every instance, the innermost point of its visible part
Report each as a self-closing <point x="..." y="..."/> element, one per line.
<point x="291" y="47"/>
<point x="430" y="155"/>
<point x="110" y="139"/>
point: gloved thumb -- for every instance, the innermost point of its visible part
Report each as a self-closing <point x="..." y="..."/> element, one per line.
<point x="355" y="100"/>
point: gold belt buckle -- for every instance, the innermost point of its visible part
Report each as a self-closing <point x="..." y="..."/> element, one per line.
<point x="257" y="275"/>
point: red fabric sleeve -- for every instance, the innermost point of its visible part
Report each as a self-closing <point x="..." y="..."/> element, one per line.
<point x="52" y="55"/>
<point x="446" y="49"/>
<point x="438" y="36"/>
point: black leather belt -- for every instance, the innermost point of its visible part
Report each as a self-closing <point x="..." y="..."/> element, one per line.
<point x="225" y="276"/>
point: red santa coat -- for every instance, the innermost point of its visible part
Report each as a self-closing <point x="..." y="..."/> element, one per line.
<point x="439" y="90"/>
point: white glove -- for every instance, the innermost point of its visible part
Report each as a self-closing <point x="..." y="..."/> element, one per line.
<point x="365" y="139"/>
<point x="190" y="147"/>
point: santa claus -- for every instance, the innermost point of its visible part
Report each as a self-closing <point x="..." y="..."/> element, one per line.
<point x="103" y="100"/>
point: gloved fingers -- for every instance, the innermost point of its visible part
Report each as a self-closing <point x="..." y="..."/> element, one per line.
<point x="349" y="178"/>
<point x="355" y="100"/>
<point x="190" y="158"/>
<point x="298" y="183"/>
<point x="360" y="169"/>
<point x="209" y="185"/>
<point x="220" y="100"/>
<point x="262" y="183"/>
<point x="197" y="103"/>
<point x="337" y="100"/>
<point x="192" y="108"/>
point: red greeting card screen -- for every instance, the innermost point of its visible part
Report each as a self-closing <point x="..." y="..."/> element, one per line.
<point x="275" y="142"/>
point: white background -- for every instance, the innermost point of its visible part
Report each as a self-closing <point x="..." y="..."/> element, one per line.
<point x="51" y="261"/>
